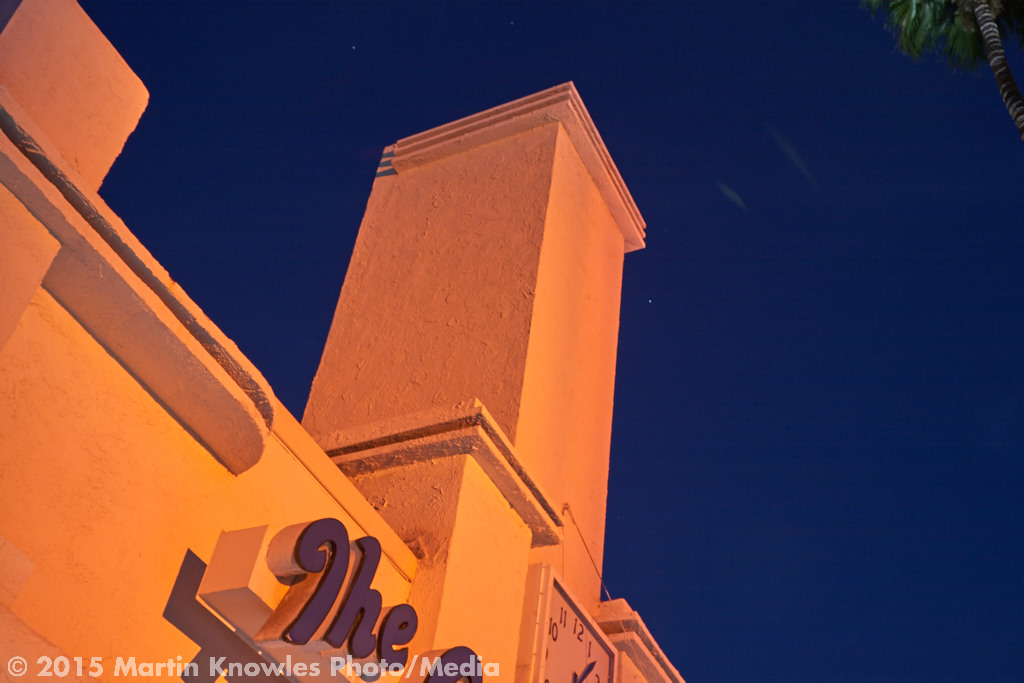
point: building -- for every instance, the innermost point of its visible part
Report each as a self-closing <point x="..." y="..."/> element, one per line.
<point x="439" y="511"/>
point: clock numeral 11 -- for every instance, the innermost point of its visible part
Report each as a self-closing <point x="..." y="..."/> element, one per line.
<point x="563" y="620"/>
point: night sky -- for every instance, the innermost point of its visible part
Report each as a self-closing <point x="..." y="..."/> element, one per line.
<point x="818" y="451"/>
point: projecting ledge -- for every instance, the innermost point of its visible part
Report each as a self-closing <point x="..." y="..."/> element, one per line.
<point x="117" y="291"/>
<point x="463" y="429"/>
<point x="629" y="634"/>
<point x="560" y="104"/>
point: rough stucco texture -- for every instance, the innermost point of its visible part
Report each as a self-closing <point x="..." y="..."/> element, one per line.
<point x="469" y="588"/>
<point x="71" y="81"/>
<point x="437" y="303"/>
<point x="104" y="492"/>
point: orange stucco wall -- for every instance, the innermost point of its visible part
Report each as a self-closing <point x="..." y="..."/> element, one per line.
<point x="565" y="424"/>
<point x="104" y="492"/>
<point x="71" y="81"/>
<point x="475" y="550"/>
<point x="492" y="273"/>
<point x="465" y="389"/>
<point x="440" y="289"/>
<point x="28" y="251"/>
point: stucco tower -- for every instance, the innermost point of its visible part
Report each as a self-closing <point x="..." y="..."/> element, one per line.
<point x="480" y="315"/>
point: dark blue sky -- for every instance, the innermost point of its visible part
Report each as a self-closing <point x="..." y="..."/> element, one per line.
<point x="818" y="452"/>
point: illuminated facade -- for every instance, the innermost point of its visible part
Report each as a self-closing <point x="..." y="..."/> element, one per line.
<point x="439" y="512"/>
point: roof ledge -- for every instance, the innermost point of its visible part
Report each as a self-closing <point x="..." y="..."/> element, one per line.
<point x="560" y="104"/>
<point x="119" y="293"/>
<point x="629" y="634"/>
<point x="464" y="428"/>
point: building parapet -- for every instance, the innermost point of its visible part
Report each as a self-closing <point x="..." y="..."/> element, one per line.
<point x="561" y="103"/>
<point x="100" y="272"/>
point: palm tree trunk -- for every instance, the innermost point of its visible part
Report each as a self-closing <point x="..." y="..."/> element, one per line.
<point x="997" y="61"/>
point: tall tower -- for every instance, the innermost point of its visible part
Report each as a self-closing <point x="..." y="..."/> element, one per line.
<point x="483" y="293"/>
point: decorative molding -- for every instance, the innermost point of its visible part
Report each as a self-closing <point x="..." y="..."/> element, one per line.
<point x="628" y="632"/>
<point x="561" y="104"/>
<point x="118" y="292"/>
<point x="467" y="428"/>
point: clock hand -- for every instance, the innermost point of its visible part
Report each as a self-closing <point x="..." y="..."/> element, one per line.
<point x="586" y="671"/>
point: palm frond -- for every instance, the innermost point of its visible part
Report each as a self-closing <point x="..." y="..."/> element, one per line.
<point x="963" y="45"/>
<point x="940" y="27"/>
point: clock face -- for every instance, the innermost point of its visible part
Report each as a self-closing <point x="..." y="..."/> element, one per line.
<point x="568" y="646"/>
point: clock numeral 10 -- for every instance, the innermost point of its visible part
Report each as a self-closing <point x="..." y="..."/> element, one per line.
<point x="563" y="620"/>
